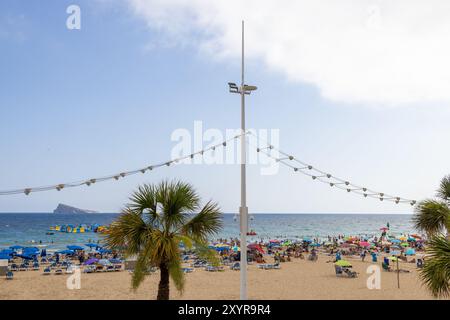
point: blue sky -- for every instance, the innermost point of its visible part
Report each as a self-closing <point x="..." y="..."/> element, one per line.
<point x="106" y="98"/>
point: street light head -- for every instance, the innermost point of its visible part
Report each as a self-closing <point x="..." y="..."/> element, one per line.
<point x="250" y="88"/>
<point x="233" y="87"/>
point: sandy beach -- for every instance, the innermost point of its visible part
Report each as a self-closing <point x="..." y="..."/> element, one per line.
<point x="298" y="279"/>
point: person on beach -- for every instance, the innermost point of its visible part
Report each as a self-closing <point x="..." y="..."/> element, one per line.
<point x="338" y="255"/>
<point x="363" y="255"/>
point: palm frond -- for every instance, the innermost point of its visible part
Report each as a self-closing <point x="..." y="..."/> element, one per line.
<point x="206" y="223"/>
<point x="431" y="216"/>
<point x="177" y="199"/>
<point x="129" y="231"/>
<point x="436" y="270"/>
<point x="444" y="189"/>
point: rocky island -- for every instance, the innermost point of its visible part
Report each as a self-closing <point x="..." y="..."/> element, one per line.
<point x="65" y="209"/>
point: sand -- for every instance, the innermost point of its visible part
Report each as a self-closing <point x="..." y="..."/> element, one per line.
<point x="299" y="279"/>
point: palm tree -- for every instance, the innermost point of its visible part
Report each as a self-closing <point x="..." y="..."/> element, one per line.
<point x="152" y="226"/>
<point x="433" y="217"/>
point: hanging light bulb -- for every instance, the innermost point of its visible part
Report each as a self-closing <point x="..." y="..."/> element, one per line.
<point x="314" y="177"/>
<point x="331" y="184"/>
<point x="224" y="144"/>
<point x="291" y="158"/>
<point x="381" y="198"/>
<point x="310" y="167"/>
<point x="295" y="169"/>
<point x="93" y="180"/>
<point x="365" y="195"/>
<point x="328" y="175"/>
<point x="364" y="189"/>
<point x="116" y="177"/>
<point x="150" y="168"/>
<point x="347" y="183"/>
<point x="27" y="191"/>
<point x="143" y="171"/>
<point x="123" y="174"/>
<point x="348" y="190"/>
<point x="258" y="149"/>
<point x="59" y="187"/>
<point x="413" y="202"/>
<point x="192" y="156"/>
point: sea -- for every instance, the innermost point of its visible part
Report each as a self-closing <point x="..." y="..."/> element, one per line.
<point x="30" y="229"/>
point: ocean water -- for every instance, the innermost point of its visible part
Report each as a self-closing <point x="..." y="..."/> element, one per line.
<point x="30" y="229"/>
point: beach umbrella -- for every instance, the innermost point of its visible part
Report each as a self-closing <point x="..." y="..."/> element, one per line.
<point x="7" y="252"/>
<point x="236" y="248"/>
<point x="66" y="252"/>
<point x="5" y="256"/>
<point x="307" y="240"/>
<point x="91" y="261"/>
<point x="410" y="252"/>
<point x="393" y="258"/>
<point x="104" y="251"/>
<point x="395" y="253"/>
<point x="364" y="244"/>
<point x="256" y="247"/>
<point x="315" y="244"/>
<point x="404" y="244"/>
<point x="15" y="248"/>
<point x="25" y="257"/>
<point x="343" y="263"/>
<point x="411" y="239"/>
<point x="395" y="240"/>
<point x="91" y="245"/>
<point x="75" y="248"/>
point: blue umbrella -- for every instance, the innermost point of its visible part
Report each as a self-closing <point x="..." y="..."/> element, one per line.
<point x="4" y="256"/>
<point x="7" y="251"/>
<point x="91" y="245"/>
<point x="104" y="251"/>
<point x="315" y="244"/>
<point x="115" y="261"/>
<point x="395" y="241"/>
<point x="74" y="248"/>
<point x="16" y="247"/>
<point x="67" y="252"/>
<point x="410" y="252"/>
<point x="307" y="240"/>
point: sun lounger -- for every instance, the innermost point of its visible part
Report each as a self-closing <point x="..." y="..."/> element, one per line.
<point x="47" y="271"/>
<point x="236" y="266"/>
<point x="9" y="275"/>
<point x="109" y="269"/>
<point x="89" y="269"/>
<point x="117" y="267"/>
<point x="188" y="270"/>
<point x="36" y="267"/>
<point x="58" y="272"/>
<point x="23" y="267"/>
<point x="14" y="267"/>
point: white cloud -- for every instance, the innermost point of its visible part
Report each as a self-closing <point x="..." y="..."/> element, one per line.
<point x="379" y="52"/>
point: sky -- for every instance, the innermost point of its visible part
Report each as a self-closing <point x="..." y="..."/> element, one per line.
<point x="356" y="88"/>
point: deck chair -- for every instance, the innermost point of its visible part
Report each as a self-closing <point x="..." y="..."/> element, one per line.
<point x="14" y="267"/>
<point x="58" y="272"/>
<point x="47" y="271"/>
<point x="236" y="266"/>
<point x="350" y="273"/>
<point x="339" y="272"/>
<point x="23" y="267"/>
<point x="117" y="267"/>
<point x="188" y="270"/>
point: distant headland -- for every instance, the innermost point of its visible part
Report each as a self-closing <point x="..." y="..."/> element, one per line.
<point x="65" y="209"/>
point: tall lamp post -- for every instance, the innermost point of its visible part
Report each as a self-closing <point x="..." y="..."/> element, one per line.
<point x="243" y="210"/>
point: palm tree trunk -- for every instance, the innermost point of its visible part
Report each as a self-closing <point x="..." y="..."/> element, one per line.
<point x="163" y="288"/>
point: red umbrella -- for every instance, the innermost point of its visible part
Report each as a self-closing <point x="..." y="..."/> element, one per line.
<point x="364" y="244"/>
<point x="256" y="247"/>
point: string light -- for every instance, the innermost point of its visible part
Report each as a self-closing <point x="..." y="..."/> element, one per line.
<point x="318" y="175"/>
<point x="89" y="182"/>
